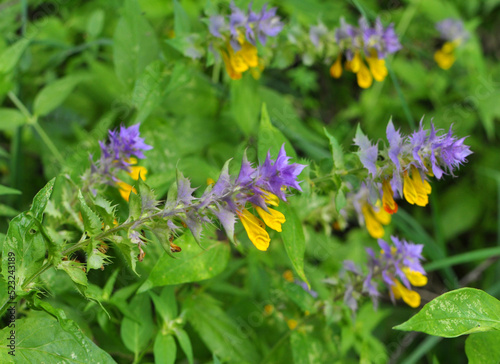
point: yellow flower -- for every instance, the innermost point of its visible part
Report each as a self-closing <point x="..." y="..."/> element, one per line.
<point x="288" y="275"/>
<point x="255" y="229"/>
<point x="445" y="57"/>
<point x="273" y="218"/>
<point x="336" y="68"/>
<point x="364" y="76"/>
<point x="415" y="189"/>
<point x="410" y="297"/>
<point x="388" y="198"/>
<point x="292" y="324"/>
<point x="377" y="66"/>
<point x="240" y="61"/>
<point x="125" y="189"/>
<point x="136" y="171"/>
<point x="375" y="220"/>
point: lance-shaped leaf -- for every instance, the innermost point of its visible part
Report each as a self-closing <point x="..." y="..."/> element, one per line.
<point x="459" y="312"/>
<point x="25" y="241"/>
<point x="337" y="152"/>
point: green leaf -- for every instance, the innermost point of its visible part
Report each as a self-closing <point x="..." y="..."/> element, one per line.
<point x="300" y="348"/>
<point x="194" y="264"/>
<point x="91" y="221"/>
<point x="136" y="334"/>
<point x="165" y="304"/>
<point x="24" y="242"/>
<point x="271" y="139"/>
<point x="95" y="23"/>
<point x="165" y="349"/>
<point x="185" y="343"/>
<point x="4" y="190"/>
<point x="218" y="331"/>
<point x="294" y="240"/>
<point x="74" y="271"/>
<point x="134" y="206"/>
<point x="42" y="339"/>
<point x="340" y="200"/>
<point x="182" y="24"/>
<point x="135" y="45"/>
<point x="483" y="348"/>
<point x="245" y="102"/>
<point x="10" y="56"/>
<point x="54" y="94"/>
<point x="337" y="152"/>
<point x="11" y="119"/>
<point x="459" y="312"/>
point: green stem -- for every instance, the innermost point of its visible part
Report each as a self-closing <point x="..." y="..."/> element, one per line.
<point x="33" y="120"/>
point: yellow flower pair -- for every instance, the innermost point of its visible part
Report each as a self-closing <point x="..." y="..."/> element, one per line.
<point x="256" y="228"/>
<point x="377" y="69"/>
<point x="411" y="298"/>
<point x="445" y="56"/>
<point x="416" y="190"/>
<point x="375" y="219"/>
<point x="244" y="59"/>
<point x="135" y="171"/>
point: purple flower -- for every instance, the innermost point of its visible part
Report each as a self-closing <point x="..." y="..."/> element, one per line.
<point x="117" y="154"/>
<point x="452" y="30"/>
<point x="304" y="286"/>
<point x="316" y="32"/>
<point x="268" y="24"/>
<point x="367" y="153"/>
<point x="383" y="40"/>
<point x="217" y="24"/>
<point x="348" y="38"/>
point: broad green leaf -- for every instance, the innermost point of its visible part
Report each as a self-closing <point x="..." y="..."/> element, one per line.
<point x="165" y="304"/>
<point x="184" y="343"/>
<point x="182" y="25"/>
<point x="165" y="349"/>
<point x="245" y="102"/>
<point x="147" y="91"/>
<point x="91" y="221"/>
<point x="193" y="264"/>
<point x="271" y="139"/>
<point x="95" y="23"/>
<point x="136" y="334"/>
<point x="337" y="152"/>
<point x="10" y="56"/>
<point x="218" y="331"/>
<point x="135" y="45"/>
<point x="483" y="348"/>
<point x="294" y="239"/>
<point x="459" y="312"/>
<point x="10" y="119"/>
<point x="42" y="339"/>
<point x="54" y="94"/>
<point x="25" y="242"/>
<point x="4" y="190"/>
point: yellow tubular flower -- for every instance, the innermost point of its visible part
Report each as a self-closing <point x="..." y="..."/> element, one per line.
<point x="125" y="189"/>
<point x="336" y="68"/>
<point x="271" y="198"/>
<point x="445" y="57"/>
<point x="249" y="54"/>
<point x="410" y="297"/>
<point x="255" y="229"/>
<point x="364" y="76"/>
<point x="416" y="279"/>
<point x="377" y="68"/>
<point x="375" y="221"/>
<point x="273" y="218"/>
<point x="229" y="67"/>
<point x="415" y="190"/>
<point x="356" y="63"/>
<point x="388" y="198"/>
<point x="136" y="171"/>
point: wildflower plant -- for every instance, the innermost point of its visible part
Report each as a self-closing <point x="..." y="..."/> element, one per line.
<point x="185" y="220"/>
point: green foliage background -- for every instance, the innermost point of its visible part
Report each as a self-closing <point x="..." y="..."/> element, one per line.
<point x="80" y="68"/>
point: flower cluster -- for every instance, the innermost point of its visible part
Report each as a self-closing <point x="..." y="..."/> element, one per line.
<point x="374" y="43"/>
<point x="402" y="170"/>
<point x="119" y="153"/>
<point x="253" y="189"/>
<point x="400" y="268"/>
<point x="452" y="32"/>
<point x="239" y="35"/>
